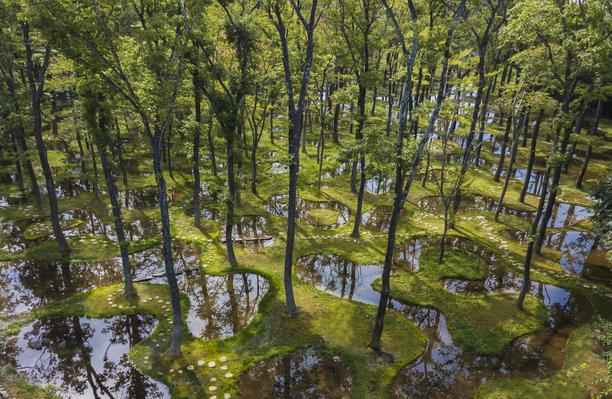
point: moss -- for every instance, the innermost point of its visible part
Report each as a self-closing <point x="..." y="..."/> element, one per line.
<point x="17" y="386"/>
<point x="323" y="216"/>
<point x="478" y="323"/>
<point x="581" y="375"/>
<point x="42" y="229"/>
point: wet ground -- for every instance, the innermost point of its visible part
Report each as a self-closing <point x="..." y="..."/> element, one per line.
<point x="324" y="214"/>
<point x="444" y="370"/>
<point x="84" y="358"/>
<point x="304" y="374"/>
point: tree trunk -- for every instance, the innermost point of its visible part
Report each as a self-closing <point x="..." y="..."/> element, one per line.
<point x="196" y="147"/>
<point x="502" y="156"/>
<point x="587" y="157"/>
<point x="177" y="323"/>
<point x="211" y="144"/>
<point x="532" y="154"/>
<point x="36" y="91"/>
<point x="109" y="177"/>
<point x="515" y="141"/>
<point x="362" y="163"/>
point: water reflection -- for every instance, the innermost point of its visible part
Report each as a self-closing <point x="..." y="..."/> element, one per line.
<point x="84" y="358"/>
<point x="481" y="203"/>
<point x="298" y="375"/>
<point x="576" y="248"/>
<point x="324" y="214"/>
<point x="25" y="285"/>
<point x="444" y="370"/>
<point x="250" y="231"/>
<point x="221" y="306"/>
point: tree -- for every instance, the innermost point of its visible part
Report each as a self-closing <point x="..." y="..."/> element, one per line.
<point x="98" y="116"/>
<point x="403" y="180"/>
<point x="308" y="23"/>
<point x="92" y="35"/>
<point x="35" y="72"/>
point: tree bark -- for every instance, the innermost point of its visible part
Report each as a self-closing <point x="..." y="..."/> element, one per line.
<point x="532" y="154"/>
<point x="36" y="91"/>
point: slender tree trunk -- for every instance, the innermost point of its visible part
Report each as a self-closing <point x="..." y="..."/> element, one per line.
<point x="54" y="117"/>
<point x="36" y="91"/>
<point x="577" y="130"/>
<point x="109" y="177"/>
<point x="196" y="147"/>
<point x="120" y="153"/>
<point x="20" y="137"/>
<point x="530" y="244"/>
<point x="515" y="141"/>
<point x="362" y="163"/>
<point x="502" y="156"/>
<point x="177" y="323"/>
<point x="211" y="144"/>
<point x="532" y="154"/>
<point x="231" y="200"/>
<point x="589" y="151"/>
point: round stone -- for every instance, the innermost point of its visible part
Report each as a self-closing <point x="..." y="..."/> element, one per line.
<point x="223" y="368"/>
<point x="190" y="367"/>
<point x="213" y="379"/>
<point x="229" y="375"/>
<point x="201" y="362"/>
<point x="212" y="364"/>
<point x="212" y="388"/>
<point x="227" y="396"/>
<point x="223" y="359"/>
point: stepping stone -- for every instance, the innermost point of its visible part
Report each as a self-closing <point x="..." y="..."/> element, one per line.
<point x="212" y="388"/>
<point x="201" y="363"/>
<point x="226" y="396"/>
<point x="229" y="375"/>
<point x="190" y="367"/>
<point x="223" y="359"/>
<point x="212" y="364"/>
<point x="223" y="368"/>
<point x="213" y="379"/>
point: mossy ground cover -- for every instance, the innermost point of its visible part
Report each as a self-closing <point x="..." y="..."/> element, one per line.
<point x="480" y="323"/>
<point x="583" y="374"/>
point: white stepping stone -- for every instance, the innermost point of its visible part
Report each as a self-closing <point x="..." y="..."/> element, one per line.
<point x="223" y="359"/>
<point x="229" y="375"/>
<point x="201" y="363"/>
<point x="212" y="388"/>
<point x="212" y="364"/>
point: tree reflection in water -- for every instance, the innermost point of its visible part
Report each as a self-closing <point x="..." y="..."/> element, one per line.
<point x="84" y="358"/>
<point x="297" y="375"/>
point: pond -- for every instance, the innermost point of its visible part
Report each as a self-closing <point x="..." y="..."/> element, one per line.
<point x="250" y="231"/>
<point x="445" y="370"/>
<point x="324" y="214"/>
<point x="433" y="204"/>
<point x="221" y="306"/>
<point x="29" y="284"/>
<point x="303" y="374"/>
<point x="84" y="358"/>
<point x="577" y="253"/>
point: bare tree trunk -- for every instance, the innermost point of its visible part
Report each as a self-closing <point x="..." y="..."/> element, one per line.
<point x="515" y="141"/>
<point x="502" y="156"/>
<point x="196" y="146"/>
<point x="36" y="91"/>
<point x="177" y="322"/>
<point x="532" y="154"/>
<point x="589" y="151"/>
